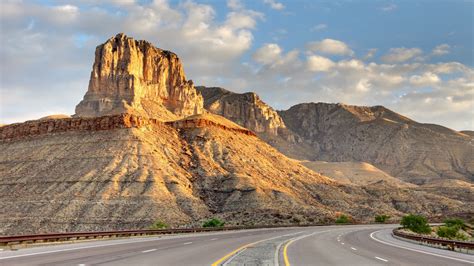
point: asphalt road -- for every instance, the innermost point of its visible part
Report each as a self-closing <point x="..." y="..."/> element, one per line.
<point x="322" y="245"/>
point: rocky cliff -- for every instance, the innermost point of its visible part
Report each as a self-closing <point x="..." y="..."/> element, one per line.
<point x="404" y="148"/>
<point x="130" y="76"/>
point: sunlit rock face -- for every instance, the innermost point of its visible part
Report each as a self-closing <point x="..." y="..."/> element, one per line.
<point x="130" y="76"/>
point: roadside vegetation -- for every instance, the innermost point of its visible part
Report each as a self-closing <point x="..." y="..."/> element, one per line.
<point x="416" y="223"/>
<point x="343" y="219"/>
<point x="214" y="222"/>
<point x="453" y="229"/>
<point x="381" y="218"/>
<point x="159" y="225"/>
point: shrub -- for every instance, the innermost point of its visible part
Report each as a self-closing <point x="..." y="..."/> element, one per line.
<point x="214" y="222"/>
<point x="416" y="223"/>
<point x="447" y="231"/>
<point x="158" y="225"/>
<point x="342" y="219"/>
<point x="381" y="218"/>
<point x="455" y="223"/>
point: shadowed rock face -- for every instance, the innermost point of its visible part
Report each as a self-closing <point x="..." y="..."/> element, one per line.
<point x="132" y="76"/>
<point x="404" y="148"/>
<point x="246" y="109"/>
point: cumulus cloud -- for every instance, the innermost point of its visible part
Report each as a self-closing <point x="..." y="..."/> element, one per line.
<point x="274" y="4"/>
<point x="318" y="63"/>
<point x="267" y="54"/>
<point x="330" y="46"/>
<point x="441" y="49"/>
<point x="398" y="55"/>
<point x="56" y="52"/>
<point x="426" y="79"/>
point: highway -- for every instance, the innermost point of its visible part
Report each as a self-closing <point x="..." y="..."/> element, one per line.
<point x="321" y="245"/>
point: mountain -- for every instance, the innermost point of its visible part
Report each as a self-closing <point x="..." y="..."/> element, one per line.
<point x="141" y="147"/>
<point x="403" y="148"/>
<point x="130" y="76"/>
<point x="406" y="149"/>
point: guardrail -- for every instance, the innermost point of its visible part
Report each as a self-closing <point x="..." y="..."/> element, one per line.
<point x="73" y="236"/>
<point x="448" y="244"/>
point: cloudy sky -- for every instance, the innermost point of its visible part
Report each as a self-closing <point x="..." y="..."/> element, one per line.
<point x="414" y="57"/>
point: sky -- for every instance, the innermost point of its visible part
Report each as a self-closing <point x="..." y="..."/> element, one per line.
<point x="414" y="57"/>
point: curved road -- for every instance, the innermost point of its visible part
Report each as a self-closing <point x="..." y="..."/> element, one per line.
<point x="322" y="245"/>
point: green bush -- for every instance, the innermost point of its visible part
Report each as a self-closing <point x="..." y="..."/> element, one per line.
<point x="447" y="231"/>
<point x="158" y="225"/>
<point x="343" y="219"/>
<point x="416" y="223"/>
<point x="214" y="222"/>
<point x="455" y="223"/>
<point x="381" y="218"/>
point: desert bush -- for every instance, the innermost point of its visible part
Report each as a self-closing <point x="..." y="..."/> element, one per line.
<point x="158" y="225"/>
<point x="381" y="218"/>
<point x="455" y="223"/>
<point x="447" y="231"/>
<point x="342" y="219"/>
<point x="214" y="222"/>
<point x="416" y="223"/>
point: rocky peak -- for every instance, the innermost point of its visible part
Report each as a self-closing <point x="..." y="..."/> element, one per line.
<point x="130" y="76"/>
<point x="245" y="109"/>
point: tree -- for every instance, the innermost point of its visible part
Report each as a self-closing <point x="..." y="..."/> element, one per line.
<point x="416" y="223"/>
<point x="214" y="222"/>
<point x="381" y="218"/>
<point x="447" y="231"/>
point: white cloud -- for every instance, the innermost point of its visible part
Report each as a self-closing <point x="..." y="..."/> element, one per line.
<point x="318" y="63"/>
<point x="398" y="55"/>
<point x="426" y="79"/>
<point x="267" y="54"/>
<point x="274" y="4"/>
<point x="319" y="27"/>
<point x="234" y="4"/>
<point x="330" y="46"/>
<point x="370" y="53"/>
<point x="441" y="49"/>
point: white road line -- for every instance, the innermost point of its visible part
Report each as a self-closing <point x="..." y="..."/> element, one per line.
<point x="342" y="243"/>
<point x="214" y="239"/>
<point x="416" y="250"/>
<point x="187" y="243"/>
<point x="353" y="248"/>
<point x="78" y="248"/>
<point x="379" y="258"/>
<point x="149" y="250"/>
<point x="338" y="240"/>
<point x="276" y="259"/>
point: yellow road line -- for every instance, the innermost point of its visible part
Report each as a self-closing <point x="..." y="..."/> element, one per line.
<point x="232" y="253"/>
<point x="285" y="252"/>
<point x="242" y="247"/>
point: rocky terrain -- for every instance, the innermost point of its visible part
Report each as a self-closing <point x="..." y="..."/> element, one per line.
<point x="130" y="76"/>
<point x="142" y="148"/>
<point x="403" y="148"/>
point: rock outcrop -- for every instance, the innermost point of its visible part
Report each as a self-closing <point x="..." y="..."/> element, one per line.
<point x="130" y="76"/>
<point x="406" y="149"/>
<point x="246" y="109"/>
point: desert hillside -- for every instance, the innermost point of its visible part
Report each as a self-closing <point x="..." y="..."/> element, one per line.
<point x="141" y="148"/>
<point x="403" y="148"/>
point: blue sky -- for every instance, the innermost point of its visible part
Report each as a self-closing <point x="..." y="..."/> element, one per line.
<point x="415" y="57"/>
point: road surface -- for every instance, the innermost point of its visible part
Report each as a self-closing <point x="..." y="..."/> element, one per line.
<point x="322" y="245"/>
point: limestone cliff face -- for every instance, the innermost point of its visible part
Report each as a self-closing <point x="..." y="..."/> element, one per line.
<point x="404" y="148"/>
<point x="246" y="109"/>
<point x="132" y="76"/>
